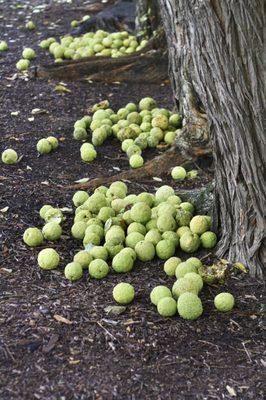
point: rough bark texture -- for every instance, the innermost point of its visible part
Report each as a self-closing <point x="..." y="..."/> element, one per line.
<point x="215" y="52"/>
<point x="148" y="17"/>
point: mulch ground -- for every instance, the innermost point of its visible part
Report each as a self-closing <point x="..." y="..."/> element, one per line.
<point x="56" y="339"/>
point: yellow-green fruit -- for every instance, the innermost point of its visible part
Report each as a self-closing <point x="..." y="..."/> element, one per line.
<point x="28" y="54"/>
<point x="80" y="197"/>
<point x="52" y="231"/>
<point x="184" y="285"/>
<point x="123" y="293"/>
<point x="224" y="301"/>
<point x="73" y="271"/>
<point x="196" y="279"/>
<point x="153" y="236"/>
<point x="83" y="258"/>
<point x="136" y="161"/>
<point x="194" y="261"/>
<point x="133" y="238"/>
<point x="165" y="249"/>
<point x="105" y="213"/>
<point x="147" y="103"/>
<point x="175" y="120"/>
<point x="145" y="251"/>
<point x="9" y="156"/>
<point x="183" y="268"/>
<point x="170" y="265"/>
<point x="163" y="193"/>
<point x="166" y="307"/>
<point x="80" y="134"/>
<point x="160" y="121"/>
<point x="48" y="259"/>
<point x="95" y="202"/>
<point x="3" y="46"/>
<point x="183" y="229"/>
<point x="53" y="214"/>
<point x="113" y="247"/>
<point x="44" y="209"/>
<point x="178" y="173"/>
<point x="158" y="293"/>
<point x="141" y="212"/>
<point x="199" y="224"/>
<point x="189" y="306"/>
<point x="44" y="146"/>
<point x="30" y="25"/>
<point x="208" y="240"/>
<point x="99" y="252"/>
<point x="187" y="207"/>
<point x="78" y="230"/>
<point x="22" y="65"/>
<point x="123" y="261"/>
<point x="166" y="223"/>
<point x="88" y="152"/>
<point x="115" y="232"/>
<point x="53" y="142"/>
<point x="98" y="269"/>
<point x="189" y="242"/>
<point x="169" y="235"/>
<point x="169" y="137"/>
<point x="33" y="237"/>
<point x="136" y="227"/>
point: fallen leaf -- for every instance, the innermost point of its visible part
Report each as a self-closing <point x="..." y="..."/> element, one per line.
<point x="241" y="267"/>
<point x="61" y="89"/>
<point x="82" y="180"/>
<point x="36" y="111"/>
<point x="66" y="209"/>
<point x="116" y="168"/>
<point x="31" y="119"/>
<point x="155" y="178"/>
<point x="6" y="270"/>
<point x="231" y="391"/>
<point x="15" y="113"/>
<point x="45" y="183"/>
<point x="5" y="209"/>
<point x="115" y="310"/>
<point x="64" y="320"/>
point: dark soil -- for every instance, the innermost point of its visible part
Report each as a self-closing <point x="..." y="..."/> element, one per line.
<point x="89" y="354"/>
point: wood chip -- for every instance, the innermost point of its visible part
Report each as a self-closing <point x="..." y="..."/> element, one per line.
<point x="64" y="320"/>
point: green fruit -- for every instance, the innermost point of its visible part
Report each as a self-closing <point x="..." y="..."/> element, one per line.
<point x="160" y="121"/>
<point x="165" y="249"/>
<point x="183" y="268"/>
<point x="44" y="146"/>
<point x="74" y="23"/>
<point x="123" y="293"/>
<point x="174" y="200"/>
<point x="80" y="124"/>
<point x="133" y="238"/>
<point x="115" y="232"/>
<point x="133" y="150"/>
<point x="33" y="237"/>
<point x="80" y="197"/>
<point x="98" y="269"/>
<point x="136" y="161"/>
<point x="175" y="120"/>
<point x="166" y="307"/>
<point x="9" y="156"/>
<point x="95" y="202"/>
<point x="73" y="271"/>
<point x="184" y="285"/>
<point x="83" y="258"/>
<point x="52" y="231"/>
<point x="199" y="224"/>
<point x="141" y="212"/>
<point x="147" y="198"/>
<point x="166" y="223"/>
<point x="183" y="217"/>
<point x="169" y="235"/>
<point x="196" y="279"/>
<point x="53" y="214"/>
<point x="170" y="265"/>
<point x="30" y="25"/>
<point x="169" y="137"/>
<point x="187" y="207"/>
<point x="145" y="250"/>
<point x="131" y="107"/>
<point x="123" y="261"/>
<point x="53" y="142"/>
<point x="194" y="261"/>
<point x="153" y="236"/>
<point x="80" y="134"/>
<point x="118" y="190"/>
<point x="147" y="103"/>
<point x="163" y="193"/>
<point x="126" y="144"/>
<point x="134" y="118"/>
<point x="22" y="65"/>
<point x="189" y="306"/>
<point x="88" y="152"/>
<point x="28" y="54"/>
<point x="181" y="230"/>
<point x="166" y="208"/>
<point x="151" y="224"/>
<point x="91" y="238"/>
<point x="208" y="240"/>
<point x="127" y="217"/>
<point x="48" y="259"/>
<point x="136" y="227"/>
<point x="82" y="215"/>
<point x="95" y="228"/>
<point x="44" y="209"/>
<point x="118" y="205"/>
<point x="105" y="213"/>
<point x="99" y="252"/>
<point x="158" y="293"/>
<point x="113" y="246"/>
<point x="224" y="302"/>
<point x="3" y="46"/>
<point x="178" y="173"/>
<point x="189" y="242"/>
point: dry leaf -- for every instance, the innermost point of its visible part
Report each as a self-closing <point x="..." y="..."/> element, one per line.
<point x="155" y="178"/>
<point x="82" y="180"/>
<point x="231" y="391"/>
<point x="64" y="320"/>
<point x="5" y="209"/>
<point x="61" y="89"/>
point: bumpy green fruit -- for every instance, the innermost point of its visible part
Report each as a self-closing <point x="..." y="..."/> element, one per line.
<point x="33" y="237"/>
<point x="153" y="236"/>
<point x="53" y="142"/>
<point x="170" y="265"/>
<point x="28" y="54"/>
<point x="194" y="261"/>
<point x="126" y="144"/>
<point x="224" y="301"/>
<point x="169" y="137"/>
<point x="166" y="307"/>
<point x="141" y="212"/>
<point x="113" y="247"/>
<point x="78" y="230"/>
<point x="175" y="120"/>
<point x="30" y="25"/>
<point x="118" y="205"/>
<point x="163" y="193"/>
<point x="123" y="293"/>
<point x="95" y="202"/>
<point x="183" y="268"/>
<point x="53" y="214"/>
<point x="184" y="285"/>
<point x="22" y="65"/>
<point x="118" y="190"/>
<point x="174" y="200"/>
<point x="136" y="161"/>
<point x="95" y="228"/>
<point x="88" y="152"/>
<point x="98" y="269"/>
<point x="105" y="213"/>
<point x="189" y="306"/>
<point x="147" y="103"/>
<point x="187" y="207"/>
<point x="208" y="240"/>
<point x="151" y="224"/>
<point x="91" y="238"/>
<point x="166" y="208"/>
<point x="181" y="230"/>
<point x="127" y="217"/>
<point x="196" y="279"/>
<point x="147" y="198"/>
<point x="189" y="242"/>
<point x="168" y="235"/>
<point x="44" y="146"/>
<point x="145" y="250"/>
<point x="9" y="156"/>
<point x="99" y="252"/>
<point x="183" y="217"/>
<point x="123" y="261"/>
<point x="158" y="293"/>
<point x="199" y="224"/>
<point x="48" y="259"/>
<point x="115" y="232"/>
<point x="160" y="121"/>
<point x="80" y="134"/>
<point x="83" y="258"/>
<point x="82" y="215"/>
<point x="136" y="227"/>
<point x="166" y="223"/>
<point x="73" y="271"/>
<point x="3" y="46"/>
<point x="165" y="249"/>
<point x="44" y="209"/>
<point x="133" y="238"/>
<point x="52" y="231"/>
<point x="80" y="197"/>
<point x="178" y="173"/>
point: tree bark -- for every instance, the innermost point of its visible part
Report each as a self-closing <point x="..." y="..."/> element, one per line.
<point x="215" y="55"/>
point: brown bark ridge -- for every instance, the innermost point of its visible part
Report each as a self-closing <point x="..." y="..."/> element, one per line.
<point x="215" y="51"/>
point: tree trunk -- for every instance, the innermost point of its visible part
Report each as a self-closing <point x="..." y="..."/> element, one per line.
<point x="215" y="54"/>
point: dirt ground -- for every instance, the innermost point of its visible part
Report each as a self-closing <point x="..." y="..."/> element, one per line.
<point x="89" y="354"/>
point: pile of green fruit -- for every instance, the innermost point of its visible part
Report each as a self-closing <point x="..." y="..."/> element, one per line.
<point x="120" y="227"/>
<point x="99" y="43"/>
<point x="137" y="127"/>
<point x="23" y="64"/>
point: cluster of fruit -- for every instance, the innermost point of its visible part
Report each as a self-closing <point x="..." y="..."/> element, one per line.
<point x="99" y="43"/>
<point x="114" y="225"/>
<point x="135" y="126"/>
<point x="23" y="64"/>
